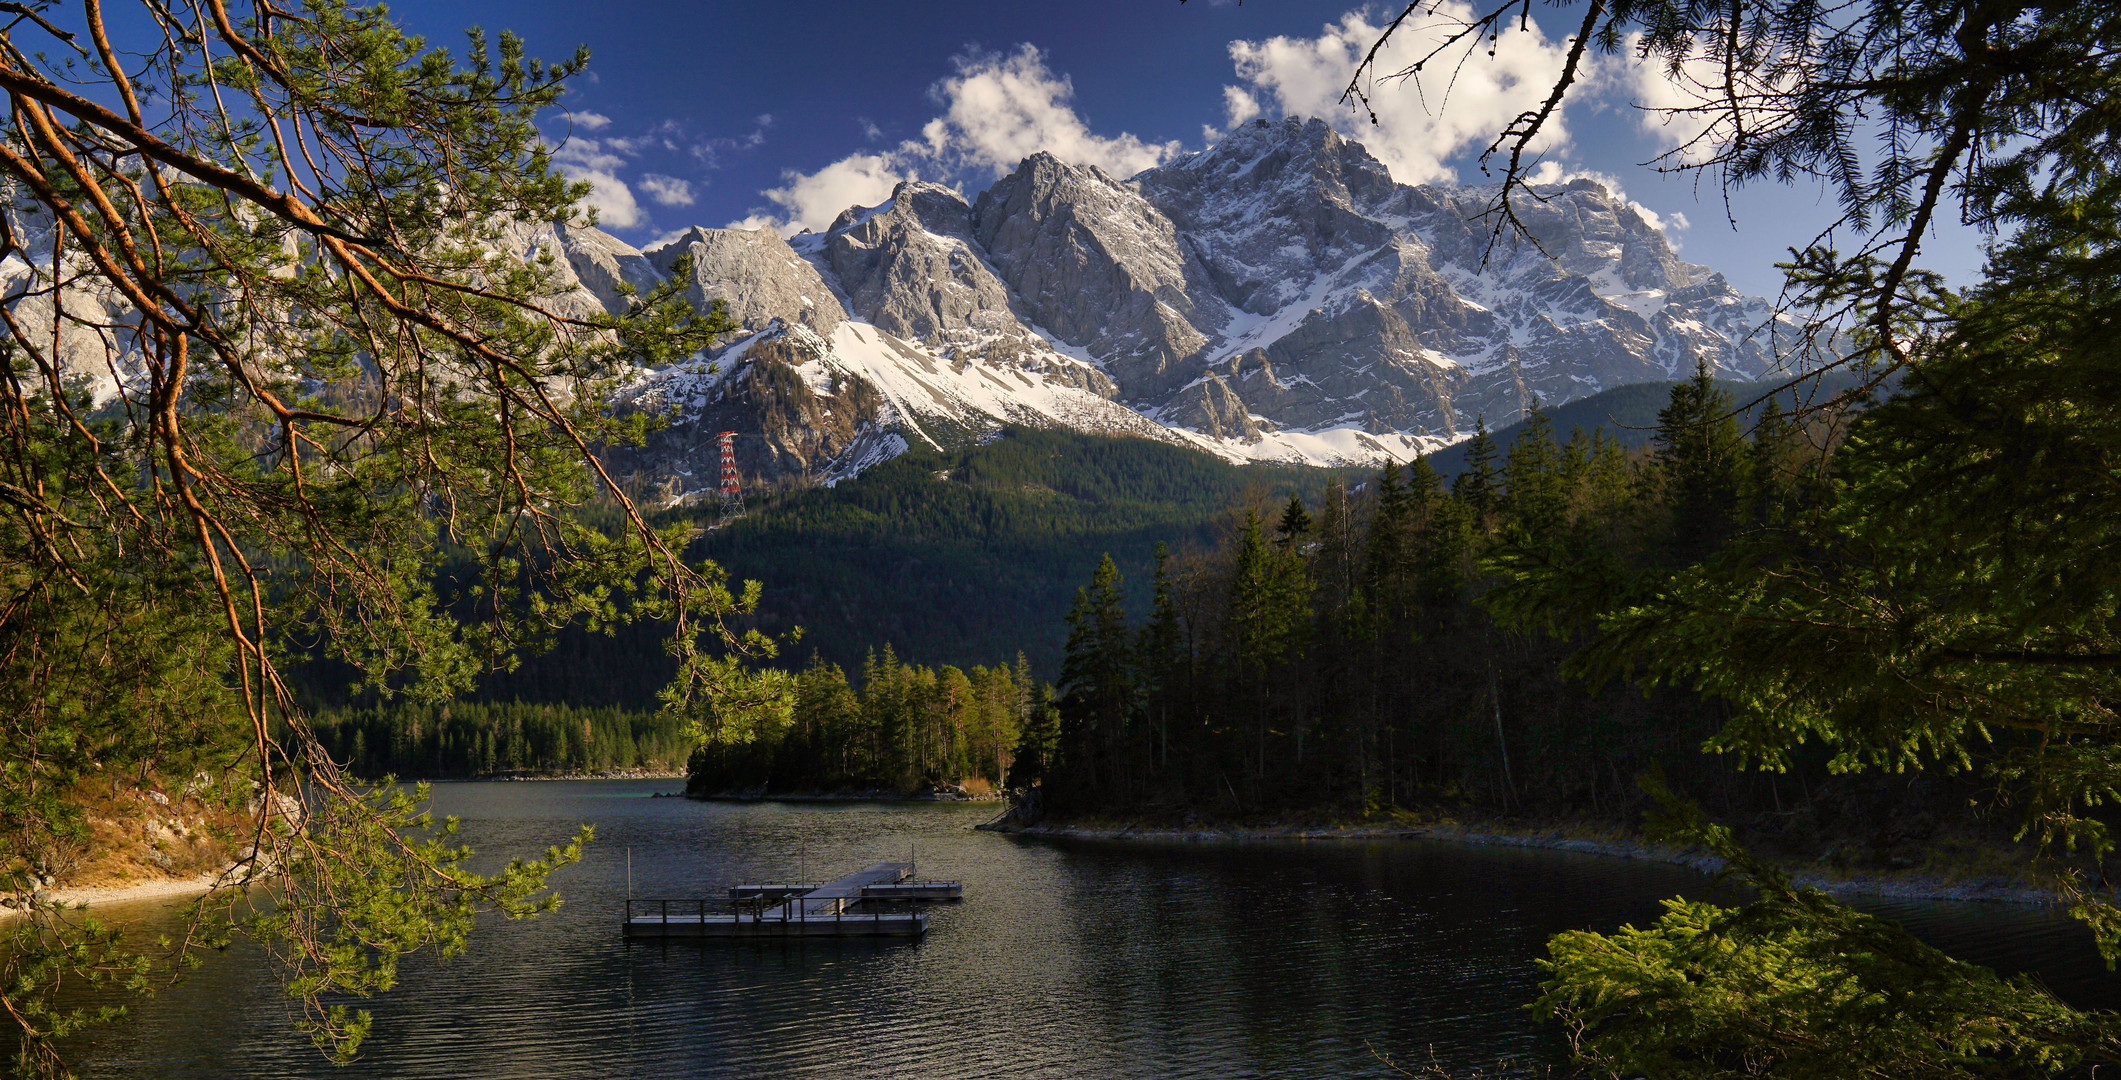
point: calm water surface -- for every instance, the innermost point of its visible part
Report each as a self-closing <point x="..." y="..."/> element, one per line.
<point x="1065" y="959"/>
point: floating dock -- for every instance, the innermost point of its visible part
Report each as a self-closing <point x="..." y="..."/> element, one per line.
<point x="837" y="908"/>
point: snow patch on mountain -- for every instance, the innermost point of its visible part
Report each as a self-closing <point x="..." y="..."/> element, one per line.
<point x="1276" y="297"/>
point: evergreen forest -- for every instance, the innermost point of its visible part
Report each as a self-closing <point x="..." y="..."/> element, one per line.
<point x="341" y="510"/>
<point x="1374" y="648"/>
<point x="961" y="557"/>
<point x="470" y="739"/>
<point x="904" y="728"/>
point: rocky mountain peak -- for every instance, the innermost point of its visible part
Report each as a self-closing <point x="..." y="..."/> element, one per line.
<point x="1292" y="157"/>
<point x="1276" y="295"/>
<point x="756" y="274"/>
<point x="1094" y="263"/>
<point x="912" y="267"/>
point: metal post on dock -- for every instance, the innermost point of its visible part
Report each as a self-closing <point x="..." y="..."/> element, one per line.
<point x="869" y="892"/>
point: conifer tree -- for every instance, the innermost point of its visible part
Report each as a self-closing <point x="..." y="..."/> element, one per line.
<point x="1477" y="486"/>
<point x="1537" y="499"/>
<point x="1163" y="662"/>
<point x="1267" y="624"/>
<point x="1947" y="602"/>
<point x="1336" y="566"/>
<point x="1098" y="689"/>
<point x="1702" y="463"/>
<point x="1770" y="461"/>
<point x="1038" y="740"/>
<point x="1424" y="486"/>
<point x="1387" y="587"/>
<point x="1295" y="524"/>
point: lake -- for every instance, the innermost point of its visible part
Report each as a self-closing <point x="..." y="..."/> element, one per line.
<point x="1066" y="959"/>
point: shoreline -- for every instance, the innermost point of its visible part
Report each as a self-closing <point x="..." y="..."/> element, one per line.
<point x="1905" y="887"/>
<point x="171" y="888"/>
<point x="141" y="892"/>
<point x="541" y="778"/>
<point x="865" y="796"/>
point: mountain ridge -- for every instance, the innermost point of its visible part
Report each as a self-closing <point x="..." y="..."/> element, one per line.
<point x="1277" y="296"/>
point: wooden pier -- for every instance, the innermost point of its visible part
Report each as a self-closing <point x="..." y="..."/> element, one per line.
<point x="833" y="909"/>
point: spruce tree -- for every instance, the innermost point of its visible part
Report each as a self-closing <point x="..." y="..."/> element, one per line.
<point x="1477" y="487"/>
<point x="1702" y="464"/>
<point x="1163" y="658"/>
<point x="1770" y="461"/>
<point x="1267" y="624"/>
<point x="1295" y="524"/>
<point x="1098" y="687"/>
<point x="1387" y="589"/>
<point x="1038" y="739"/>
<point x="1943" y="600"/>
<point x="1537" y="501"/>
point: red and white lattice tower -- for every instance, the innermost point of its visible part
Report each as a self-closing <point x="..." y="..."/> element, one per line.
<point x="730" y="487"/>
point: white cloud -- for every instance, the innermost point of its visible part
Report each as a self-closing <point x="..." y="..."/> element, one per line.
<point x="589" y="121"/>
<point x="999" y="110"/>
<point x="667" y="190"/>
<point x="1445" y="111"/>
<point x="1553" y="172"/>
<point x="662" y="238"/>
<point x="1238" y="105"/>
<point x="587" y="160"/>
<point x="996" y="111"/>
<point x="1678" y="107"/>
<point x="812" y="200"/>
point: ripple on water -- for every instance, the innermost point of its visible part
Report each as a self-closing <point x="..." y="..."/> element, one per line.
<point x="1073" y="959"/>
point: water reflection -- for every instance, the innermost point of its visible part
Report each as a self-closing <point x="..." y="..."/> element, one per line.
<point x="1066" y="959"/>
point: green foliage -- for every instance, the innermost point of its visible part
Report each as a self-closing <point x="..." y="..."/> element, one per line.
<point x="1476" y="485"/>
<point x="1703" y="465"/>
<point x="1948" y="601"/>
<point x="905" y="728"/>
<point x="1794" y="985"/>
<point x="1344" y="661"/>
<point x="1938" y="596"/>
<point x="292" y="372"/>
<point x="471" y="739"/>
<point x="960" y="556"/>
<point x="396" y="884"/>
<point x="1098" y="685"/>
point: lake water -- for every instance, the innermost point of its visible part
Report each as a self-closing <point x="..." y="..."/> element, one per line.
<point x="1066" y="959"/>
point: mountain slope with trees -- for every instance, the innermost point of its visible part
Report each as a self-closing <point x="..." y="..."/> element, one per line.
<point x="1357" y="652"/>
<point x="958" y="557"/>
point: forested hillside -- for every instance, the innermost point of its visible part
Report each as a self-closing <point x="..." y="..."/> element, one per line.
<point x="464" y="740"/>
<point x="944" y="563"/>
<point x="901" y="728"/>
<point x="961" y="557"/>
<point x="1414" y="644"/>
<point x="1341" y="651"/>
<point x="1627" y="414"/>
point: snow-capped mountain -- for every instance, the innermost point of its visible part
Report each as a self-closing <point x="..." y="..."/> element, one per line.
<point x="1277" y="296"/>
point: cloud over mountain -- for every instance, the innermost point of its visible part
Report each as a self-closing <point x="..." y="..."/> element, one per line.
<point x="997" y="109"/>
<point x="1454" y="106"/>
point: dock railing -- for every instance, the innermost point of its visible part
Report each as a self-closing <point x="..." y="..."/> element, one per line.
<point x="757" y="910"/>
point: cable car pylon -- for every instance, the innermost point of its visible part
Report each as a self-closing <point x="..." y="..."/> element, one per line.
<point x="732" y="488"/>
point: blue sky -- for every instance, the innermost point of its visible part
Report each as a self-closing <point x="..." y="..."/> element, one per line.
<point x="782" y="114"/>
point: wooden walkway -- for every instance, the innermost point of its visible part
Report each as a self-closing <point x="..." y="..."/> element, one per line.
<point x="832" y="909"/>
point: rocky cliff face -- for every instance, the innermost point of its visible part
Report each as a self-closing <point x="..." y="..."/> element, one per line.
<point x="801" y="417"/>
<point x="1276" y="296"/>
<point x="756" y="274"/>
